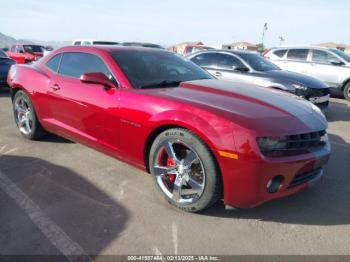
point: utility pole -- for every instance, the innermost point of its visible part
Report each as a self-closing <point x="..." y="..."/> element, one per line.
<point x="282" y="40"/>
<point x="263" y="34"/>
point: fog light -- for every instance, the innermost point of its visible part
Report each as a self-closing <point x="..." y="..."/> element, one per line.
<point x="274" y="184"/>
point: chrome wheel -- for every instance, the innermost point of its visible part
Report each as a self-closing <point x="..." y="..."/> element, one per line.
<point x="24" y="116"/>
<point x="179" y="172"/>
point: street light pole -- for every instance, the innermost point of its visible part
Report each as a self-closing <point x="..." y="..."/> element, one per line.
<point x="263" y="34"/>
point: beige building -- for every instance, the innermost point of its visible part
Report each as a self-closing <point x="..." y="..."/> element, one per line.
<point x="241" y="46"/>
<point x="179" y="48"/>
<point x="343" y="47"/>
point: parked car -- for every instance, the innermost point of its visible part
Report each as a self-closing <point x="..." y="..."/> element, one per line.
<point x="138" y="44"/>
<point x="5" y="64"/>
<point x="202" y="139"/>
<point x="25" y="54"/>
<point x="93" y="42"/>
<point x="331" y="66"/>
<point x="190" y="49"/>
<point x="250" y="67"/>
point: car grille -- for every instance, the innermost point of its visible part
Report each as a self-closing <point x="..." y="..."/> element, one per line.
<point x="312" y="92"/>
<point x="299" y="144"/>
<point x="306" y="177"/>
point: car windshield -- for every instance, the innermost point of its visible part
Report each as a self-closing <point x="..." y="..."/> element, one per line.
<point x="33" y="48"/>
<point x="257" y="62"/>
<point x="2" y="54"/>
<point x="147" y="69"/>
<point x="340" y="53"/>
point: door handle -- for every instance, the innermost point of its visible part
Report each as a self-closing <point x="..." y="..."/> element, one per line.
<point x="218" y="74"/>
<point x="55" y="87"/>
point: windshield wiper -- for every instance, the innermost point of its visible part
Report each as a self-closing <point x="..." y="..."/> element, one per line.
<point x="164" y="83"/>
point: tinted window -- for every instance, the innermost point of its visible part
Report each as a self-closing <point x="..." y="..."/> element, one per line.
<point x="228" y="62"/>
<point x="340" y="53"/>
<point x="257" y="62"/>
<point x="144" y="68"/>
<point x="54" y="63"/>
<point x="2" y="54"/>
<point x="19" y="49"/>
<point x="298" y="54"/>
<point x="76" y="64"/>
<point x="280" y="53"/>
<point x="77" y="43"/>
<point x="33" y="48"/>
<point x="205" y="60"/>
<point x="320" y="56"/>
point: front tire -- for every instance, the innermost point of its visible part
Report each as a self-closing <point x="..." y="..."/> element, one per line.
<point x="25" y="117"/>
<point x="184" y="170"/>
<point x="346" y="92"/>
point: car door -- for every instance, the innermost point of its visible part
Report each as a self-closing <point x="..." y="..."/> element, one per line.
<point x="206" y="61"/>
<point x="20" y="54"/>
<point x="231" y="68"/>
<point x="297" y="60"/>
<point x="326" y="67"/>
<point x="81" y="110"/>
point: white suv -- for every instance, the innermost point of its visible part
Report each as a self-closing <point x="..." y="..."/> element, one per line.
<point x="331" y="66"/>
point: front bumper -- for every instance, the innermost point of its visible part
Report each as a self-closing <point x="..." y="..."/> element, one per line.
<point x="319" y="97"/>
<point x="246" y="181"/>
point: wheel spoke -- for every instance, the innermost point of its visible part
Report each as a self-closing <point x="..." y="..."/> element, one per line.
<point x="169" y="149"/>
<point x="194" y="184"/>
<point x="162" y="170"/>
<point x="190" y="159"/>
<point x="19" y="109"/>
<point x="177" y="188"/>
<point x="27" y="124"/>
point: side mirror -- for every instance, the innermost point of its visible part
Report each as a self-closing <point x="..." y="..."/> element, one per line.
<point x="97" y="78"/>
<point x="336" y="62"/>
<point x="241" y="69"/>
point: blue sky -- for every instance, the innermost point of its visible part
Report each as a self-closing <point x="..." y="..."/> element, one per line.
<point x="168" y="22"/>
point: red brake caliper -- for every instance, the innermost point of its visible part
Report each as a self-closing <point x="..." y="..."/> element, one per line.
<point x="170" y="163"/>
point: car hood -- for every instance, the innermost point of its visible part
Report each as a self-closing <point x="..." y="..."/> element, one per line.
<point x="264" y="110"/>
<point x="288" y="77"/>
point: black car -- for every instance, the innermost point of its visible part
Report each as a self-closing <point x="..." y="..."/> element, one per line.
<point x="138" y="44"/>
<point x="250" y="67"/>
<point x="5" y="64"/>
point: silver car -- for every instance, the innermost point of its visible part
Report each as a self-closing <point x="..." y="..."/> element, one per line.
<point x="331" y="66"/>
<point x="252" y="68"/>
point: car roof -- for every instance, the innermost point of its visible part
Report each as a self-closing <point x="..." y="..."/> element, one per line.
<point x="106" y="48"/>
<point x="299" y="47"/>
<point x="225" y="51"/>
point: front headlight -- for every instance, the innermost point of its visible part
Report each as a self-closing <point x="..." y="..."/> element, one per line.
<point x="267" y="144"/>
<point x="299" y="87"/>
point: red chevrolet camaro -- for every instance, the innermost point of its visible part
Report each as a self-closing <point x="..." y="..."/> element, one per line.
<point x="202" y="139"/>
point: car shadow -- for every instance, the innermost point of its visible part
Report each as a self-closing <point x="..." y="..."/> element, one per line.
<point x="86" y="214"/>
<point x="4" y="92"/>
<point x="52" y="138"/>
<point x="338" y="112"/>
<point x="326" y="203"/>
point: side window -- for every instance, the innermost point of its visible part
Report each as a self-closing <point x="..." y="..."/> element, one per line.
<point x="205" y="60"/>
<point x="19" y="49"/>
<point x="280" y="53"/>
<point x="77" y="43"/>
<point x="224" y="61"/>
<point x="319" y="56"/>
<point x="86" y="43"/>
<point x="13" y="49"/>
<point x="298" y="54"/>
<point x="76" y="64"/>
<point x="54" y="63"/>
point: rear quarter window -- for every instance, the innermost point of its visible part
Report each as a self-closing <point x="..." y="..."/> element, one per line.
<point x="280" y="53"/>
<point x="54" y="63"/>
<point x="298" y="54"/>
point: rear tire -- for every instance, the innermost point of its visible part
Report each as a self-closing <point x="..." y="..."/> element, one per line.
<point x="188" y="179"/>
<point x="346" y="92"/>
<point x="25" y="117"/>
